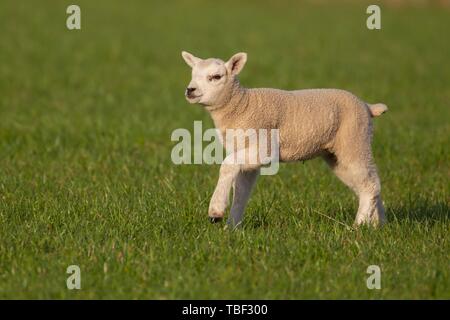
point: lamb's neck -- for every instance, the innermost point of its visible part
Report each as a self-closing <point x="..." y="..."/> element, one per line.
<point x="236" y="103"/>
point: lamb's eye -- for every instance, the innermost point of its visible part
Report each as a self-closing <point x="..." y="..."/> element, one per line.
<point x="216" y="77"/>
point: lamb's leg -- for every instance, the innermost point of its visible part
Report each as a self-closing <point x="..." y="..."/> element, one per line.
<point x="219" y="200"/>
<point x="242" y="188"/>
<point x="361" y="176"/>
<point x="371" y="210"/>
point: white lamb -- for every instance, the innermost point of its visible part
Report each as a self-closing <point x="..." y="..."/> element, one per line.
<point x="330" y="123"/>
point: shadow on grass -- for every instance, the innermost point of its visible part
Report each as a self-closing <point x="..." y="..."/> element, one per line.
<point x="416" y="210"/>
<point x="420" y="210"/>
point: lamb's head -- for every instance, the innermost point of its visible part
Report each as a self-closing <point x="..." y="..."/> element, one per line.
<point x="212" y="79"/>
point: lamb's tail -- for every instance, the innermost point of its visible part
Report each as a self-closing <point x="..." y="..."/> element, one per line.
<point x="377" y="109"/>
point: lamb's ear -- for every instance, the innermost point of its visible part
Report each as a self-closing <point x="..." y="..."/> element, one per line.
<point x="190" y="59"/>
<point x="236" y="63"/>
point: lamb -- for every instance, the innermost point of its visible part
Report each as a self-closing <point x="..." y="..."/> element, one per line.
<point x="329" y="123"/>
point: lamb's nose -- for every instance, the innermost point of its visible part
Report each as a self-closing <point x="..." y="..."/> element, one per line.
<point x="189" y="90"/>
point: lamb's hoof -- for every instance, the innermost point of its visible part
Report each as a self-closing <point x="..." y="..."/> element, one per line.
<point x="215" y="219"/>
<point x="370" y="223"/>
<point x="215" y="215"/>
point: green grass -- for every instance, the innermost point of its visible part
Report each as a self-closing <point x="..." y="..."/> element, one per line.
<point x="86" y="176"/>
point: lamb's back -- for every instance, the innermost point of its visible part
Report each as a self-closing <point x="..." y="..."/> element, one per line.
<point x="307" y="119"/>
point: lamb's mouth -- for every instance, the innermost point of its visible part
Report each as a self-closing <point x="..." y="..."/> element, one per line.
<point x="191" y="98"/>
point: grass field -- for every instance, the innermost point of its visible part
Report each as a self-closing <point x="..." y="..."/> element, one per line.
<point x="86" y="176"/>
